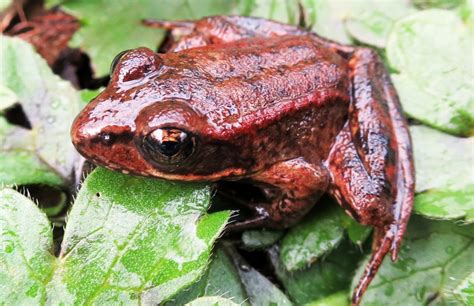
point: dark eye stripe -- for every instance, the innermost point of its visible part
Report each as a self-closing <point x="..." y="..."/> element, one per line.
<point x="108" y="139"/>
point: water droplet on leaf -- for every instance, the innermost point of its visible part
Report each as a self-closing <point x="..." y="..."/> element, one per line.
<point x="389" y="290"/>
<point x="449" y="250"/>
<point x="244" y="267"/>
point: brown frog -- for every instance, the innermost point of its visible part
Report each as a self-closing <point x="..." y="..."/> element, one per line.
<point x="238" y="98"/>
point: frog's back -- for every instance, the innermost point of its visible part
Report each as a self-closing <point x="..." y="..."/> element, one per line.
<point x="253" y="82"/>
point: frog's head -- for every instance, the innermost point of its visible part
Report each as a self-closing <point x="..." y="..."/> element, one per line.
<point x="139" y="125"/>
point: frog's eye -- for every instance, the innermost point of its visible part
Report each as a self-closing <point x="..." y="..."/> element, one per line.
<point x="116" y="60"/>
<point x="169" y="145"/>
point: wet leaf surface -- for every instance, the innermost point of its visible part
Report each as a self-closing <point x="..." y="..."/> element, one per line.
<point x="50" y="105"/>
<point x="331" y="274"/>
<point x="131" y="238"/>
<point x="464" y="291"/>
<point x="336" y="299"/>
<point x="432" y="52"/>
<point x="26" y="262"/>
<point x="19" y="163"/>
<point x="260" y="290"/>
<point x="445" y="182"/>
<point x="88" y="94"/>
<point x="327" y="17"/>
<point x="319" y="232"/>
<point x="286" y="11"/>
<point x="128" y="239"/>
<point x="366" y="21"/>
<point x="221" y="279"/>
<point x="370" y="22"/>
<point x="356" y="232"/>
<point x="212" y="300"/>
<point x="7" y="98"/>
<point x="260" y="239"/>
<point x="447" y="4"/>
<point x="435" y="258"/>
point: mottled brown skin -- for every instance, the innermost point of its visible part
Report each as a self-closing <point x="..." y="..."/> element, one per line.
<point x="293" y="113"/>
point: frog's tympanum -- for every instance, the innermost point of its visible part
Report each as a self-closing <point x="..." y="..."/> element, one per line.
<point x="239" y="98"/>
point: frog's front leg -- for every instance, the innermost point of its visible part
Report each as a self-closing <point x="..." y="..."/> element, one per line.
<point x="292" y="188"/>
<point x="371" y="163"/>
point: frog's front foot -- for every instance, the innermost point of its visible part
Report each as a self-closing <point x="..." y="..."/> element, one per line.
<point x="280" y="214"/>
<point x="254" y="222"/>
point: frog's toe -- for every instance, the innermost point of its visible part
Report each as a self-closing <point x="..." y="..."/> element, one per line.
<point x="239" y="226"/>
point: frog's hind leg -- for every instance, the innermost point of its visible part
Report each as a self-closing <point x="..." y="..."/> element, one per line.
<point x="220" y="29"/>
<point x="371" y="163"/>
<point x="376" y="98"/>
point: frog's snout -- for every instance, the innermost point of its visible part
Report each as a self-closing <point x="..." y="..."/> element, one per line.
<point x="81" y="135"/>
<point x="108" y="146"/>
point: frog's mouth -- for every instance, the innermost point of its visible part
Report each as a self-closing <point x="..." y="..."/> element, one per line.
<point x="227" y="173"/>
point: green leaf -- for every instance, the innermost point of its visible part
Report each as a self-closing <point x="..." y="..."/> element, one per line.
<point x="444" y="180"/>
<point x="327" y="18"/>
<point x="371" y="21"/>
<point x="50" y="105"/>
<point x="220" y="279"/>
<point x="7" y="97"/>
<point x="260" y="239"/>
<point x="319" y="232"/>
<point x="368" y="21"/>
<point x="26" y="239"/>
<point x="356" y="232"/>
<point x="432" y="51"/>
<point x="336" y="299"/>
<point x="88" y="94"/>
<point x="285" y="11"/>
<point x="102" y="37"/>
<point x="446" y="4"/>
<point x="435" y="258"/>
<point x="19" y="163"/>
<point x="128" y="239"/>
<point x="464" y="291"/>
<point x="134" y="239"/>
<point x="328" y="276"/>
<point x="212" y="300"/>
<point x="4" y="4"/>
<point x="466" y="11"/>
<point x="259" y="289"/>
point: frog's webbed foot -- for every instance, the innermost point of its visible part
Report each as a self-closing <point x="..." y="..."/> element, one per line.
<point x="371" y="162"/>
<point x="291" y="188"/>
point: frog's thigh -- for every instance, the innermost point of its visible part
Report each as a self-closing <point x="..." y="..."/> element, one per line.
<point x="298" y="185"/>
<point x="362" y="197"/>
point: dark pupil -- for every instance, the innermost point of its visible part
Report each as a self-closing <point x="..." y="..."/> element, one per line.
<point x="169" y="148"/>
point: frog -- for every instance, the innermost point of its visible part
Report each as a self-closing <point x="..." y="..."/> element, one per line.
<point x="245" y="99"/>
